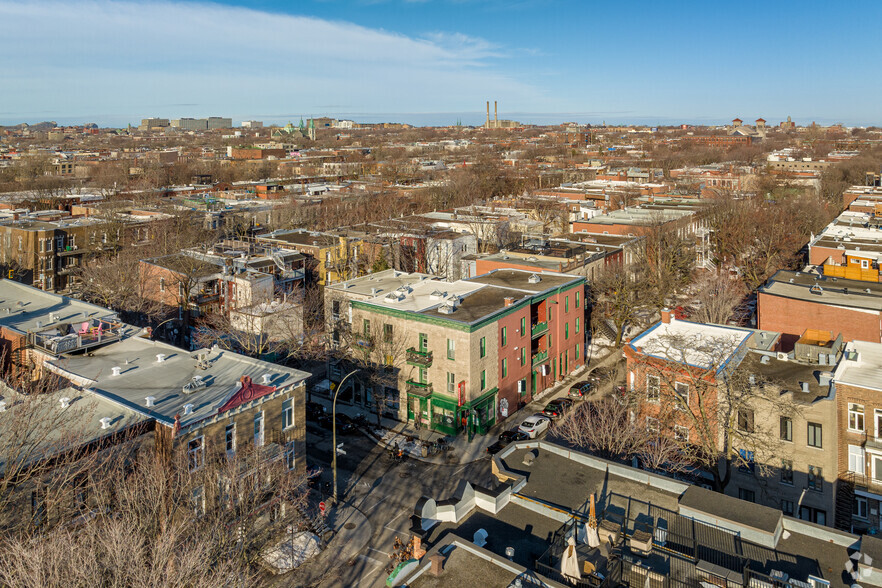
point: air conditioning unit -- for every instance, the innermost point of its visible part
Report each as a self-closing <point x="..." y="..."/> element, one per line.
<point x="781" y="356"/>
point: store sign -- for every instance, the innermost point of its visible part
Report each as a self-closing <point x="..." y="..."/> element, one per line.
<point x="460" y="396"/>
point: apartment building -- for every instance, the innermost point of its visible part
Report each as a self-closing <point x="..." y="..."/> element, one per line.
<point x="691" y="379"/>
<point x="331" y="258"/>
<point x="471" y="352"/>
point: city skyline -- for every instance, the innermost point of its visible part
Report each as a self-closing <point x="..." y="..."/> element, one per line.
<point x="436" y="62"/>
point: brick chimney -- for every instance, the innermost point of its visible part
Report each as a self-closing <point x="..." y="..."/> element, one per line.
<point x="509" y="300"/>
<point x="437" y="561"/>
<point x="666" y="316"/>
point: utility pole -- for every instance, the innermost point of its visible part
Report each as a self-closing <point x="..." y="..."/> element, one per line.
<point x="334" y="430"/>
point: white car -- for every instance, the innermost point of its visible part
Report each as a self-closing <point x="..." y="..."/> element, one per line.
<point x="535" y="425"/>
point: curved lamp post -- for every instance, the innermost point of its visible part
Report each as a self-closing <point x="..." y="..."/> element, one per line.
<point x="334" y="430"/>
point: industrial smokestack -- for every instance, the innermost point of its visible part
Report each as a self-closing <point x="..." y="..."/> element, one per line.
<point x="488" y="114"/>
<point x="495" y="116"/>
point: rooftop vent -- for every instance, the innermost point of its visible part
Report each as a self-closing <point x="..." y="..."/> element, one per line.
<point x="375" y="291"/>
<point x="436" y="295"/>
<point x="805" y="386"/>
<point x="446" y="308"/>
<point x="781" y="356"/>
<point x="195" y="384"/>
<point x="65" y="402"/>
<point x="160" y="357"/>
<point x="105" y="422"/>
<point x="150" y="401"/>
<point x="116" y="370"/>
<point x="188" y="409"/>
<point x="267" y="378"/>
<point x="534" y="279"/>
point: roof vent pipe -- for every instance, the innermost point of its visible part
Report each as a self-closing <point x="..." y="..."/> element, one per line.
<point x="105" y="422"/>
<point x="160" y="357"/>
<point x="188" y="409"/>
<point x="150" y="400"/>
<point x="116" y="370"/>
<point x="267" y="378"/>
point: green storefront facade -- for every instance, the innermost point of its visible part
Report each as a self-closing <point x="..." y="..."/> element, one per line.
<point x="444" y="415"/>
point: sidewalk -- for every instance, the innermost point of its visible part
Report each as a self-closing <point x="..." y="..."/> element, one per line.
<point x="462" y="451"/>
<point x="352" y="532"/>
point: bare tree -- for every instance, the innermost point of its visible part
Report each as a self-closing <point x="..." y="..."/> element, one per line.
<point x="718" y="295"/>
<point x="667" y="261"/>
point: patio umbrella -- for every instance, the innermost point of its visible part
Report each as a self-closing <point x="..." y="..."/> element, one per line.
<point x="591" y="536"/>
<point x="569" y="562"/>
<point x="592" y="514"/>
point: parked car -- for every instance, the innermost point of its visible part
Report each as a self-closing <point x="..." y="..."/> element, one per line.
<point x="557" y="408"/>
<point x="535" y="425"/>
<point x="314" y="410"/>
<point x="580" y="390"/>
<point x="506" y="438"/>
<point x="344" y="423"/>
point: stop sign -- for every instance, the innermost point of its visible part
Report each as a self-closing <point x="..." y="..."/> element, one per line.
<point x="322" y="507"/>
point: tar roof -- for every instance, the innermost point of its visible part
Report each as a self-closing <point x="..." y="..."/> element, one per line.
<point x="22" y="307"/>
<point x="525" y="280"/>
<point x="823" y="290"/>
<point x="142" y="375"/>
<point x="379" y="283"/>
<point x="788" y="375"/>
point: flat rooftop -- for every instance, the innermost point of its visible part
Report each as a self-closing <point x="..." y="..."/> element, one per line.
<point x="142" y="375"/>
<point x="861" y="366"/>
<point x="824" y="290"/>
<point x="521" y="280"/>
<point x="379" y="283"/>
<point x="698" y="344"/>
<point x="23" y="307"/>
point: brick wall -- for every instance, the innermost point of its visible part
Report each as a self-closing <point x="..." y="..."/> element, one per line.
<point x="793" y="317"/>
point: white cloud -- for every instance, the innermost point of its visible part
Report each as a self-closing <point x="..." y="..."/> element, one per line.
<point x="103" y="57"/>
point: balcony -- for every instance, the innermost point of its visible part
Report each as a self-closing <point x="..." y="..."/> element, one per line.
<point x="70" y="250"/>
<point x="419" y="388"/>
<point x="80" y="336"/>
<point x="540" y="357"/>
<point x="538" y="329"/>
<point x="419" y="358"/>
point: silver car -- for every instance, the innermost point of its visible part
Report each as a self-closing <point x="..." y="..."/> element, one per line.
<point x="535" y="425"/>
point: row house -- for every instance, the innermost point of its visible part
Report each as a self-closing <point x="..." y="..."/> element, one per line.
<point x="728" y="391"/>
<point x="331" y="258"/>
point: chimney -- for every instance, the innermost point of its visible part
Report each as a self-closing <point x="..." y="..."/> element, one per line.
<point x="149" y="400"/>
<point x="509" y="300"/>
<point x="188" y="409"/>
<point x="65" y="402"/>
<point x="105" y="422"/>
<point x="267" y="378"/>
<point x="116" y="370"/>
<point x="437" y="561"/>
<point x="805" y="387"/>
<point x="666" y="316"/>
<point x="160" y="357"/>
<point x="488" y="114"/>
<point x="495" y="116"/>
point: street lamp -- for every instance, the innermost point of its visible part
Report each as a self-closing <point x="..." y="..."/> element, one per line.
<point x="334" y="430"/>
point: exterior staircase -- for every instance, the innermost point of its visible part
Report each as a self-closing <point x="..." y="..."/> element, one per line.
<point x="844" y="502"/>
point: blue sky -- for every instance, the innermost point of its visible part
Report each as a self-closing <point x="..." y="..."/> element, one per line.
<point x="436" y="61"/>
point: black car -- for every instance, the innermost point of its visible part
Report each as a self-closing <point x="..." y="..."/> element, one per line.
<point x="556" y="408"/>
<point x="505" y="439"/>
<point x="314" y="410"/>
<point x="579" y="390"/>
<point x="344" y="423"/>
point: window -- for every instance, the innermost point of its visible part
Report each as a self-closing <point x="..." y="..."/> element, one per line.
<point x="366" y="327"/>
<point x="859" y="508"/>
<point x="289" y="455"/>
<point x="336" y="309"/>
<point x="653" y="384"/>
<point x="451" y="349"/>
<point x="787" y="472"/>
<point x="483" y="379"/>
<point x="813" y="515"/>
<point x="787" y="507"/>
<point x="856" y="459"/>
<point x="815" y="478"/>
<point x="483" y="346"/>
<point x="577" y="300"/>
<point x="258" y="429"/>
<point x="504" y="368"/>
<point x="230" y="438"/>
<point x="815" y="435"/>
<point x="197" y="501"/>
<point x="523" y="356"/>
<point x="681" y="433"/>
<point x="566" y="330"/>
<point x="682" y="392"/>
<point x="856" y="417"/>
<point x="451" y="383"/>
<point x="577" y="356"/>
<point x="786" y="429"/>
<point x="423" y="375"/>
<point x="652" y="425"/>
<point x="577" y="325"/>
<point x="288" y="413"/>
<point x="162" y="284"/>
<point x="387" y="332"/>
<point x="878" y="415"/>
<point x="195" y="454"/>
<point x="549" y="340"/>
<point x="424" y="342"/>
<point x="523" y="326"/>
<point x="566" y="304"/>
<point x="745" y="420"/>
<point x="748" y="495"/>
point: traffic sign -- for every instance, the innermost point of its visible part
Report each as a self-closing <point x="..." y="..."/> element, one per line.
<point x="322" y="507"/>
